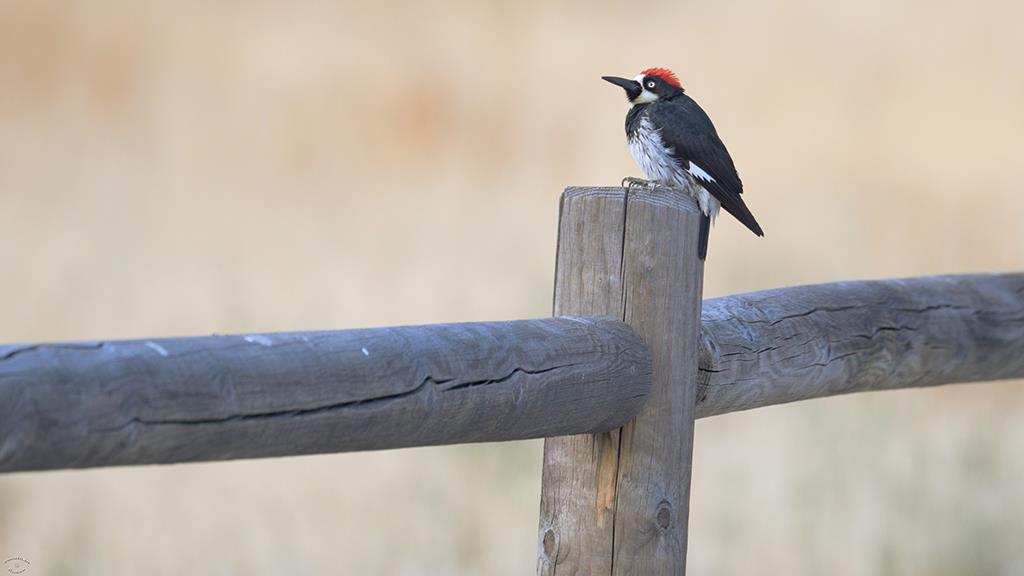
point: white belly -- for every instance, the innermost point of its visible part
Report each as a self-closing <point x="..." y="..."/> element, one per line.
<point x="656" y="161"/>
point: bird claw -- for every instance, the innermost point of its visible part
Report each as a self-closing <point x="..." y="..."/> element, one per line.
<point x="629" y="182"/>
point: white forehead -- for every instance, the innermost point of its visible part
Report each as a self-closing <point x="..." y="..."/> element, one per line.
<point x="646" y="96"/>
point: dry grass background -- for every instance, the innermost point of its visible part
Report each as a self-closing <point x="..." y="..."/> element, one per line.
<point x="171" y="168"/>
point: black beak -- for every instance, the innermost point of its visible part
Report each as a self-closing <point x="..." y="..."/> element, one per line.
<point x="632" y="87"/>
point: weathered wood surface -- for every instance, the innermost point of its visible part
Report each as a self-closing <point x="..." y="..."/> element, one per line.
<point x="806" y="342"/>
<point x="617" y="502"/>
<point x="579" y="474"/>
<point x="223" y="397"/>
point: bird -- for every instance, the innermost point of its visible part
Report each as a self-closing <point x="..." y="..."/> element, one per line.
<point x="676" y="145"/>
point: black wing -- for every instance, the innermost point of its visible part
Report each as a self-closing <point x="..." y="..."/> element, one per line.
<point x="690" y="133"/>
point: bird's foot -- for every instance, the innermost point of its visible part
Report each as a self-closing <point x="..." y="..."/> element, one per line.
<point x="629" y="182"/>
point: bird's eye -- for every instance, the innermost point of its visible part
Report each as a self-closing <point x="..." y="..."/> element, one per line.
<point x="650" y="84"/>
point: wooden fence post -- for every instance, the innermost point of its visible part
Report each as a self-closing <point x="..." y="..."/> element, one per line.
<point x="617" y="502"/>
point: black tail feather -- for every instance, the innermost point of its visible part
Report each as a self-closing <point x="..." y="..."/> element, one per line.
<point x="702" y="242"/>
<point x="734" y="205"/>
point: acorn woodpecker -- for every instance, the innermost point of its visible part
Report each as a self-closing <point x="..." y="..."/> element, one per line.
<point x="676" y="145"/>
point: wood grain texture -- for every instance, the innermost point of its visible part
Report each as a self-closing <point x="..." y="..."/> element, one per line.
<point x="579" y="474"/>
<point x="223" y="397"/>
<point x="616" y="503"/>
<point x="663" y="284"/>
<point x="804" y="342"/>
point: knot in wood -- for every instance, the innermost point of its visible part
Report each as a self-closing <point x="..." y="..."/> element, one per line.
<point x="664" y="516"/>
<point x="549" y="543"/>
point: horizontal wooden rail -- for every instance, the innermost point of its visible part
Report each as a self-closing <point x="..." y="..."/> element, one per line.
<point x="223" y="397"/>
<point x="805" y="342"/>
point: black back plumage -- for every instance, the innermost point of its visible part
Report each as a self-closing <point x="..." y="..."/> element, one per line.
<point x="688" y="131"/>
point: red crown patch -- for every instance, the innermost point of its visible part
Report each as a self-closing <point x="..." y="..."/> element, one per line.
<point x="665" y="74"/>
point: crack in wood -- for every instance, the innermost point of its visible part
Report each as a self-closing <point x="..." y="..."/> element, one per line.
<point x="815" y="310"/>
<point x="18" y="350"/>
<point x="291" y="413"/>
<point x="929" y="308"/>
<point x="361" y="403"/>
<point x="881" y="329"/>
<point x="831" y="359"/>
<point x="749" y="351"/>
<point x="506" y="378"/>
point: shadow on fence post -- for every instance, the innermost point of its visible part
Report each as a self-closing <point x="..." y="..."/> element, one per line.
<point x="618" y="502"/>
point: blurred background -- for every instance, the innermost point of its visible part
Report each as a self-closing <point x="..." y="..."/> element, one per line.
<point x="181" y="168"/>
